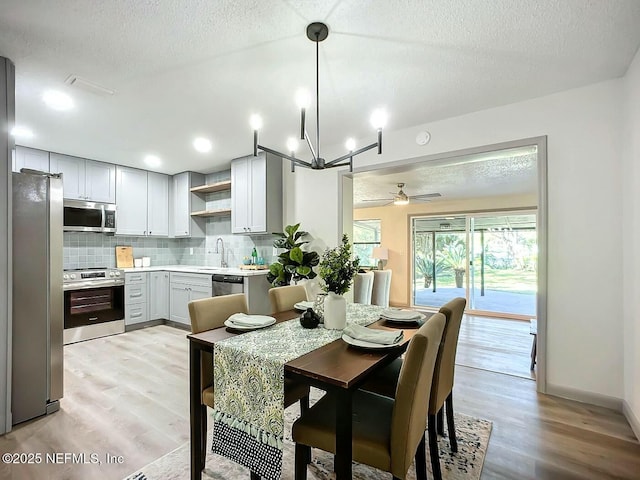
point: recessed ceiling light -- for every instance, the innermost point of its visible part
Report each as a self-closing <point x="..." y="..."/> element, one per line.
<point x="57" y="100"/>
<point x="202" y="144"/>
<point x="21" y="132"/>
<point x="153" y="161"/>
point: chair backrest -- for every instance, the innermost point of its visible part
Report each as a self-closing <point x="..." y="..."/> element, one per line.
<point x="362" y="288"/>
<point x="210" y="313"/>
<point x="446" y="360"/>
<point x="381" y="287"/>
<point x="409" y="418"/>
<point x="284" y="298"/>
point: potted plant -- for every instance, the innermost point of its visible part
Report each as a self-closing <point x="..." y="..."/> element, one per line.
<point x="337" y="270"/>
<point x="293" y="264"/>
<point x="455" y="257"/>
<point x="424" y="268"/>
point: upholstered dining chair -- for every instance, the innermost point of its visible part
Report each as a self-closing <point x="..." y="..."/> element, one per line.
<point x="381" y="287"/>
<point x="284" y="298"/>
<point x="209" y="313"/>
<point x="387" y="432"/>
<point x="363" y="288"/>
<point x="384" y="382"/>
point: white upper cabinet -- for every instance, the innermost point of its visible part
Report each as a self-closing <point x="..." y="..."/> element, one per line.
<point x="72" y="170"/>
<point x="240" y="194"/>
<point x="183" y="203"/>
<point x="143" y="202"/>
<point x="131" y="201"/>
<point x="100" y="181"/>
<point x="256" y="194"/>
<point x="85" y="179"/>
<point x="157" y="204"/>
<point x="31" y="158"/>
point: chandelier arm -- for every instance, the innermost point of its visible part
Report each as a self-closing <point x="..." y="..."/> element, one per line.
<point x="313" y="152"/>
<point x="295" y="160"/>
<point x="350" y="154"/>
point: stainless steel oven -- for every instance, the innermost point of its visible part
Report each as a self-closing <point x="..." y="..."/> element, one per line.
<point x="83" y="216"/>
<point x="93" y="303"/>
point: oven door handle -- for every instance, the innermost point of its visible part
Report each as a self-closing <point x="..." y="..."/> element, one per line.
<point x="93" y="284"/>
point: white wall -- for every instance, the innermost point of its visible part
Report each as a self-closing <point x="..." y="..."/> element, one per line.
<point x="631" y="236"/>
<point x="584" y="345"/>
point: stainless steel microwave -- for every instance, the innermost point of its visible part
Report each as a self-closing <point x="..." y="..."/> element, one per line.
<point x="83" y="216"/>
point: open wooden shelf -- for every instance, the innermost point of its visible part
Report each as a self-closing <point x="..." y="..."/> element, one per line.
<point x="212" y="213"/>
<point x="213" y="187"/>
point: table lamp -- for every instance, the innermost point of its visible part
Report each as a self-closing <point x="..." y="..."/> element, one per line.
<point x="382" y="255"/>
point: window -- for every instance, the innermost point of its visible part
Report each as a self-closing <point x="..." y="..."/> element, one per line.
<point x="366" y="236"/>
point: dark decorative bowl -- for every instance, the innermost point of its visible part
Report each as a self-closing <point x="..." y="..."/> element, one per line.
<point x="309" y="319"/>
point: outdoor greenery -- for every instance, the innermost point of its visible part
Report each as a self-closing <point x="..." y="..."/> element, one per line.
<point x="510" y="259"/>
<point x="337" y="269"/>
<point x="293" y="264"/>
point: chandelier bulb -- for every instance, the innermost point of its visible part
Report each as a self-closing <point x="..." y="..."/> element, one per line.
<point x="292" y="144"/>
<point x="350" y="144"/>
<point x="255" y="121"/>
<point x="303" y="98"/>
<point x="379" y="119"/>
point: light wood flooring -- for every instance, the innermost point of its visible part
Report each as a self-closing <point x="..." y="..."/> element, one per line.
<point x="128" y="395"/>
<point x="496" y="344"/>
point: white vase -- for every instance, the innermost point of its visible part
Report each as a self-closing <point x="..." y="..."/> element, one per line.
<point x="335" y="312"/>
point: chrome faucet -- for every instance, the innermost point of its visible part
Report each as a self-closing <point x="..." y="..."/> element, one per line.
<point x="223" y="264"/>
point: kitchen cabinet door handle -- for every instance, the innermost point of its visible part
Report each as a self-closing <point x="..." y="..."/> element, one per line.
<point x="136" y="295"/>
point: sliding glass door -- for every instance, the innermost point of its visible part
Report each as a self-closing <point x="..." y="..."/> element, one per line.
<point x="490" y="259"/>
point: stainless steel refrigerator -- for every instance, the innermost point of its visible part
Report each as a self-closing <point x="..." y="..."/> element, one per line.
<point x="37" y="373"/>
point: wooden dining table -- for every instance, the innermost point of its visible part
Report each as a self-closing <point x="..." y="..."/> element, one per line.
<point x="336" y="367"/>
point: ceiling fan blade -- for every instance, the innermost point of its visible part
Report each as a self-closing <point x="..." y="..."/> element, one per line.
<point x="425" y="195"/>
<point x="377" y="200"/>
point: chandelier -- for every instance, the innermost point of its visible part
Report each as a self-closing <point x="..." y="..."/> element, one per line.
<point x="317" y="32"/>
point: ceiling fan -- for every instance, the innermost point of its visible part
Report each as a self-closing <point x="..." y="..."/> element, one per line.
<point x="401" y="198"/>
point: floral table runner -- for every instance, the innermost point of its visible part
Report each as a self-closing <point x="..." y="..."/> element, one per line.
<point x="249" y="388"/>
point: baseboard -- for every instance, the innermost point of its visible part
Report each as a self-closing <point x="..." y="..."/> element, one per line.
<point x="141" y="325"/>
<point x="179" y="325"/>
<point x="631" y="418"/>
<point x="585" y="397"/>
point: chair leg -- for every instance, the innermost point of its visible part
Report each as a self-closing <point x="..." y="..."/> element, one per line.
<point x="421" y="460"/>
<point x="440" y="421"/>
<point x="433" y="448"/>
<point x="303" y="452"/>
<point x="304" y="405"/>
<point x="453" y="441"/>
<point x="203" y="438"/>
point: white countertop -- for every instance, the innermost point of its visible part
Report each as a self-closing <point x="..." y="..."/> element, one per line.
<point x="197" y="269"/>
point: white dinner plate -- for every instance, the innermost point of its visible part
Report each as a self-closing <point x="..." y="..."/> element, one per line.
<point x="362" y="344"/>
<point x="419" y="318"/>
<point x="229" y="323"/>
<point x="303" y="305"/>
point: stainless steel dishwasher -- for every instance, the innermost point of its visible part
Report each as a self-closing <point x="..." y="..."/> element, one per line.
<point x="226" y="284"/>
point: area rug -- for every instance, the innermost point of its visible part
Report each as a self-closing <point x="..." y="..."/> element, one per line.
<point x="473" y="439"/>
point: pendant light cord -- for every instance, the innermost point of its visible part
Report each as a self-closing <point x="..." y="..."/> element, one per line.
<point x="318" y="94"/>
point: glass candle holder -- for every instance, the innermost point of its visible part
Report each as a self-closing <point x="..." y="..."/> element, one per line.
<point x="318" y="305"/>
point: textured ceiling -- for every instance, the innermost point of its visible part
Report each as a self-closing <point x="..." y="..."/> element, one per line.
<point x="509" y="172"/>
<point x="183" y="68"/>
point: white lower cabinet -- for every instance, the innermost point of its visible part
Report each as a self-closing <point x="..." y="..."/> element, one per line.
<point x="158" y="295"/>
<point x="135" y="298"/>
<point x="186" y="288"/>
